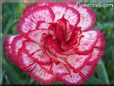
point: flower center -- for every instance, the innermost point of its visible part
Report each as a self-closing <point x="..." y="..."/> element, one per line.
<point x="65" y="34"/>
<point x="59" y="29"/>
<point x="64" y="38"/>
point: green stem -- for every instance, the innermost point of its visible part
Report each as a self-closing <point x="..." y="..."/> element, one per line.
<point x="10" y="72"/>
<point x="102" y="73"/>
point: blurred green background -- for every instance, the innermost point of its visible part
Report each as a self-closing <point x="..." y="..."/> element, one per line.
<point x="104" y="72"/>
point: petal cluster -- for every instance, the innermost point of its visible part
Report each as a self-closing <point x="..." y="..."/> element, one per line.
<point x="56" y="43"/>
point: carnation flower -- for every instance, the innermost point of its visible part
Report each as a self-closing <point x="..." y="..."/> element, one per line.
<point x="56" y="42"/>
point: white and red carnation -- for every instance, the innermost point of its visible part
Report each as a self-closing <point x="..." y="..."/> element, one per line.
<point x="56" y="42"/>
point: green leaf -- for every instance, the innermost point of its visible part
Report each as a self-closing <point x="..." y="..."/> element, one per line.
<point x="104" y="25"/>
<point x="100" y="75"/>
<point x="10" y="72"/>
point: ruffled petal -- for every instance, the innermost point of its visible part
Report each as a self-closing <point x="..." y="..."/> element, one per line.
<point x="8" y="48"/>
<point x="29" y="21"/>
<point x="17" y="44"/>
<point x="30" y="8"/>
<point x="73" y="78"/>
<point x="41" y="58"/>
<point x="98" y="49"/>
<point x="58" y="10"/>
<point x="42" y="25"/>
<point x="77" y="61"/>
<point x="87" y="16"/>
<point x="59" y="69"/>
<point x="37" y="35"/>
<point x="31" y="47"/>
<point x="78" y="77"/>
<point x="34" y="69"/>
<point x="72" y="16"/>
<point x="61" y="10"/>
<point x="87" y="42"/>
